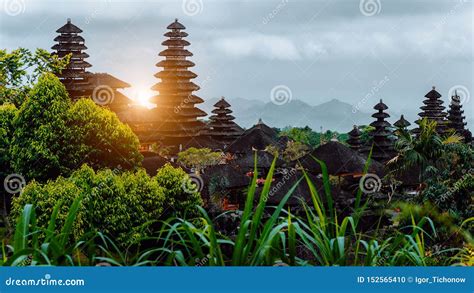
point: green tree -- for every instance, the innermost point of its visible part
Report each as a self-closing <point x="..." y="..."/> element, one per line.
<point x="180" y="198"/>
<point x="53" y="136"/>
<point x="41" y="147"/>
<point x="424" y="150"/>
<point x="7" y="115"/>
<point x="104" y="141"/>
<point x="309" y="137"/>
<point x="20" y="69"/>
<point x="199" y="158"/>
<point x="295" y="150"/>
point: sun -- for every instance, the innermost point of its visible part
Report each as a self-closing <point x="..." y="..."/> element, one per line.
<point x="142" y="96"/>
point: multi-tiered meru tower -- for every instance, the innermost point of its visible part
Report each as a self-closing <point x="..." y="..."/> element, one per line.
<point x="102" y="87"/>
<point x="456" y="118"/>
<point x="176" y="117"/>
<point x="433" y="111"/>
<point x="222" y="128"/>
<point x="382" y="136"/>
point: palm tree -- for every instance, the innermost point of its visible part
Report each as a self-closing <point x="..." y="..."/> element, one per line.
<point x="424" y="151"/>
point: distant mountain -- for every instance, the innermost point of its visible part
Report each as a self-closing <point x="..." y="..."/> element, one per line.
<point x="333" y="115"/>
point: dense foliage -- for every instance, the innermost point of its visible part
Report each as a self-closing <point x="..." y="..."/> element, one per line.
<point x="198" y="158"/>
<point x="317" y="237"/>
<point x="52" y="136"/>
<point x="20" y="69"/>
<point x="7" y="115"/>
<point x="309" y="137"/>
<point x="180" y="200"/>
<point x="124" y="205"/>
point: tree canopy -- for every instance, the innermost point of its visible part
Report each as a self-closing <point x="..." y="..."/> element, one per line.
<point x="54" y="136"/>
<point x="20" y="69"/>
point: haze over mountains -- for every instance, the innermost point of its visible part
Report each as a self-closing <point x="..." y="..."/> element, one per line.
<point x="333" y="115"/>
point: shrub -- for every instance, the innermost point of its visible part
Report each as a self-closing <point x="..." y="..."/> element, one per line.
<point x="116" y="203"/>
<point x="119" y="205"/>
<point x="179" y="200"/>
<point x="45" y="197"/>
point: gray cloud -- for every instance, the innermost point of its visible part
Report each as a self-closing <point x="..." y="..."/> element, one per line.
<point x="320" y="49"/>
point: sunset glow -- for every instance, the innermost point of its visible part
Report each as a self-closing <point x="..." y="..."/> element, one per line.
<point x="142" y="95"/>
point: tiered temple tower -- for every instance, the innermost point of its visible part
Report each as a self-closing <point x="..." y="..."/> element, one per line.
<point x="433" y="110"/>
<point x="176" y="117"/>
<point x="222" y="128"/>
<point x="102" y="87"/>
<point x="70" y="42"/>
<point x="354" y="140"/>
<point x="382" y="136"/>
<point x="456" y="118"/>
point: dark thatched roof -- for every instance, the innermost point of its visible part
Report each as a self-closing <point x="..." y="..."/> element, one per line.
<point x="339" y="159"/>
<point x="402" y="123"/>
<point x="264" y="160"/>
<point x="252" y="138"/>
<point x="152" y="163"/>
<point x="233" y="176"/>
<point x="69" y="28"/>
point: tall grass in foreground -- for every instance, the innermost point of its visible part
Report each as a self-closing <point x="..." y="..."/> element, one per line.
<point x="319" y="237"/>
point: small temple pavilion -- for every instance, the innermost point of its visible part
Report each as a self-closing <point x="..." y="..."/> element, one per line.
<point x="433" y="111"/>
<point x="381" y="136"/>
<point x="175" y="117"/>
<point x="78" y="81"/>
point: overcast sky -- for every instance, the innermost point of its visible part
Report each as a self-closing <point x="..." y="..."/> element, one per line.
<point x="355" y="51"/>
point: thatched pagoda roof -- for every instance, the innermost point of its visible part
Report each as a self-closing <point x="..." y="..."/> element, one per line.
<point x="264" y="160"/>
<point x="339" y="159"/>
<point x="402" y="123"/>
<point x="69" y="28"/>
<point x="152" y="163"/>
